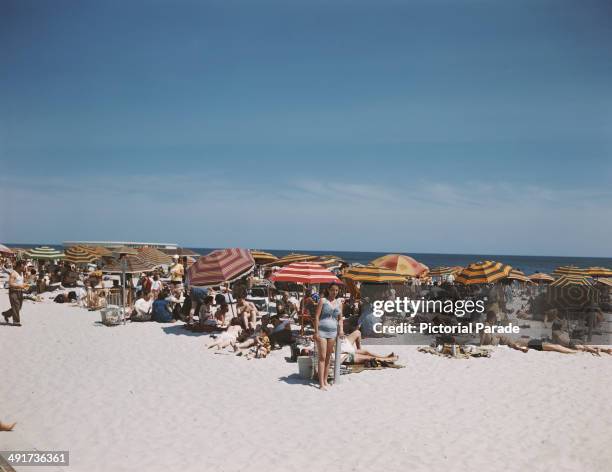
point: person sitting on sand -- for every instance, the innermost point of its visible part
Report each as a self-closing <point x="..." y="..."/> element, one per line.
<point x="247" y="313"/>
<point x="259" y="342"/>
<point x="351" y="347"/>
<point x="162" y="313"/>
<point x="142" y="308"/>
<point x="205" y="312"/>
<point x="281" y="333"/>
<point x="227" y="338"/>
<point x="221" y="313"/>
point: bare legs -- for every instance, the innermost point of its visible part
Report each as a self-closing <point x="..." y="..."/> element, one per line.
<point x="325" y="348"/>
<point x="363" y="358"/>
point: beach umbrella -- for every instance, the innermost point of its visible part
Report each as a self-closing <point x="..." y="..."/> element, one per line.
<point x="100" y="251"/>
<point x="541" y="277"/>
<point x="290" y="259"/>
<point x="262" y="257"/>
<point x="80" y="255"/>
<point x="372" y="274"/>
<point x="570" y="270"/>
<point x="483" y="273"/>
<point x="305" y="273"/>
<point x="516" y="274"/>
<point x="328" y="262"/>
<point x="5" y="250"/>
<point x="222" y="265"/>
<point x="598" y="272"/>
<point x="154" y="256"/>
<point x="128" y="264"/>
<point x="44" y="252"/>
<point x="130" y="251"/>
<point x="571" y="292"/>
<point x="605" y="281"/>
<point x="442" y="271"/>
<point x="401" y="264"/>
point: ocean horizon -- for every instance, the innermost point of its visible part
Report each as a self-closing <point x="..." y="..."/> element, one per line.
<point x="527" y="264"/>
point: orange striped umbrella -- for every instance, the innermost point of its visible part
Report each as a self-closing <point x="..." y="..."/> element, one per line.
<point x="483" y="273"/>
<point x="599" y="272"/>
<point x="401" y="264"/>
<point x="541" y="277"/>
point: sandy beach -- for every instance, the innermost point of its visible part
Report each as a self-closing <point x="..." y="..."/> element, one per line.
<point x="149" y="396"/>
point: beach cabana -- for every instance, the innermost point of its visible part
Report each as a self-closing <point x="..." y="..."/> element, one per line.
<point x="541" y="277"/>
<point x="372" y="274"/>
<point x="486" y="272"/>
<point x="154" y="256"/>
<point x="44" y="253"/>
<point x="401" y="264"/>
<point x="262" y="257"/>
<point x="220" y="266"/>
<point x="598" y="272"/>
<point x="80" y="255"/>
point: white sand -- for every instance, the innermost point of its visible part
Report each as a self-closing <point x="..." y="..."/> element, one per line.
<point x="151" y="397"/>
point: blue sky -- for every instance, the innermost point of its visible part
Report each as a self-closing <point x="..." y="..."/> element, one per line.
<point x="415" y="126"/>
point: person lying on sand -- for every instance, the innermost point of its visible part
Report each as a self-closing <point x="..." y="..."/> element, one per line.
<point x="487" y="339"/>
<point x="351" y="346"/>
<point x="258" y="344"/>
<point x="227" y="338"/>
<point x="562" y="337"/>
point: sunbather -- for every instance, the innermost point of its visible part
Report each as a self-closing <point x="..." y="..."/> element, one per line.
<point x="562" y="337"/>
<point x="226" y="338"/>
<point x="247" y="312"/>
<point x="258" y="342"/>
<point x="351" y="347"/>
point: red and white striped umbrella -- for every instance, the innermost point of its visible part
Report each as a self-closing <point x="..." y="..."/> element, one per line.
<point x="305" y="273"/>
<point x="222" y="265"/>
<point x="5" y="250"/>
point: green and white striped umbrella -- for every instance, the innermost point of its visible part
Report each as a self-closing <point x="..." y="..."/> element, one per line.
<point x="44" y="252"/>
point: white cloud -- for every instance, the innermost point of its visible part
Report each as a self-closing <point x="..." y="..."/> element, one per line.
<point x="326" y="213"/>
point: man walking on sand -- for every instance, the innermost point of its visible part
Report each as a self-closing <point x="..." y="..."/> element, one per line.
<point x="16" y="288"/>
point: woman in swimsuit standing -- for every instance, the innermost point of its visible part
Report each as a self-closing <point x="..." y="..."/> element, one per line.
<point x="327" y="319"/>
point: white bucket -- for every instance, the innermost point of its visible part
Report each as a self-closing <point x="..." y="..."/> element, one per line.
<point x="305" y="366"/>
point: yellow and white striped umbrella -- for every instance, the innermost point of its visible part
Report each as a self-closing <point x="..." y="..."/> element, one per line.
<point x="486" y="272"/>
<point x="598" y="272"/>
<point x="570" y="270"/>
